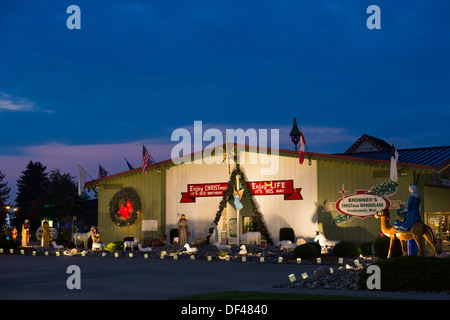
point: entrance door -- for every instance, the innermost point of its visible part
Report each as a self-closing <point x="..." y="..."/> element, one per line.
<point x="245" y="214"/>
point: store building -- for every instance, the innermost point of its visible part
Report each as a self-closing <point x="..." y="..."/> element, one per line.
<point x="333" y="193"/>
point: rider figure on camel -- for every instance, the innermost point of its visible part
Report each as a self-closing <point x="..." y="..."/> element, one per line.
<point x="406" y="216"/>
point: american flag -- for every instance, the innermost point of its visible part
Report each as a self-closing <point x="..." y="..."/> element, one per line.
<point x="101" y="172"/>
<point x="145" y="159"/>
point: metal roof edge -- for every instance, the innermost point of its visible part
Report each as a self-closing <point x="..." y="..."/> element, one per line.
<point x="281" y="152"/>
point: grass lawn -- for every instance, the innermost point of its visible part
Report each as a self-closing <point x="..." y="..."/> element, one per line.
<point x="256" y="295"/>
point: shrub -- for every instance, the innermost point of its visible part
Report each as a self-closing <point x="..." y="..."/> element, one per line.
<point x="114" y="246"/>
<point x="287" y="234"/>
<point x="66" y="234"/>
<point x="347" y="249"/>
<point x="412" y="273"/>
<point x="9" y="244"/>
<point x="381" y="246"/>
<point x="366" y="249"/>
<point x="306" y="251"/>
<point x="317" y="245"/>
<point x="223" y="253"/>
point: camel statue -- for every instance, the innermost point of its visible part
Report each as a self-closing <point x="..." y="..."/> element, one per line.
<point x="418" y="231"/>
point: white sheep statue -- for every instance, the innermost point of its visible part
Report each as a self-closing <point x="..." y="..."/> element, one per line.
<point x="282" y="242"/>
<point x="243" y="250"/>
<point x="251" y="237"/>
<point x="223" y="246"/>
<point x="98" y="246"/>
<point x="146" y="249"/>
<point x="189" y="249"/>
<point x="176" y="240"/>
<point x="130" y="244"/>
<point x="289" y="246"/>
<point x="57" y="246"/>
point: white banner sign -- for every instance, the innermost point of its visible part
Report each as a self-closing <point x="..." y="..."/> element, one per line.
<point x="149" y="225"/>
<point x="362" y="204"/>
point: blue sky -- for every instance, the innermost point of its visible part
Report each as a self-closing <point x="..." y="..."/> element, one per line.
<point x="137" y="70"/>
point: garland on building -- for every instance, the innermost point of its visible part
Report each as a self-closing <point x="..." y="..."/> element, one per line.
<point x="259" y="224"/>
<point x="124" y="207"/>
<point x="385" y="189"/>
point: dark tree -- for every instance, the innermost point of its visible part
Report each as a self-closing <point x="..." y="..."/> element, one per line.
<point x="62" y="195"/>
<point x="31" y="194"/>
<point x="4" y="195"/>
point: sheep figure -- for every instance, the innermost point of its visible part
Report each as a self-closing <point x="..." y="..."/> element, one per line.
<point x="57" y="246"/>
<point x="243" y="250"/>
<point x="98" y="246"/>
<point x="223" y="246"/>
<point x="251" y="237"/>
<point x="146" y="249"/>
<point x="130" y="244"/>
<point x="282" y="242"/>
<point x="288" y="246"/>
<point x="176" y="240"/>
<point x="189" y="249"/>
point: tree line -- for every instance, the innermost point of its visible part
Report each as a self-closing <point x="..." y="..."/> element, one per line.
<point x="40" y="194"/>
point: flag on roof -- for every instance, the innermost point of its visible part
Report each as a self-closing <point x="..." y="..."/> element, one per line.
<point x="82" y="177"/>
<point x="394" y="159"/>
<point x="145" y="159"/>
<point x="102" y="172"/>
<point x="301" y="153"/>
<point x="130" y="167"/>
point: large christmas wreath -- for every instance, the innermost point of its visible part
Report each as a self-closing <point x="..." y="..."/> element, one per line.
<point x="124" y="207"/>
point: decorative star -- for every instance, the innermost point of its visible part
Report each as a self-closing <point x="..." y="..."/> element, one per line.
<point x="343" y="191"/>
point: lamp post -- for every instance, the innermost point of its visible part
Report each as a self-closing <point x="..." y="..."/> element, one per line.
<point x="295" y="134"/>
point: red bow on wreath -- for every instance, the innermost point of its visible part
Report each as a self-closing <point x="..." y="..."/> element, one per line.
<point x="125" y="212"/>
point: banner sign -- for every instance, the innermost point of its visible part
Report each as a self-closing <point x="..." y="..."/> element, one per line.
<point x="279" y="187"/>
<point x="203" y="190"/>
<point x="362" y="204"/>
<point x="285" y="187"/>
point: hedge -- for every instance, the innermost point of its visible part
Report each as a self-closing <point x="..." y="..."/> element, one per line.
<point x="347" y="249"/>
<point x="306" y="251"/>
<point x="412" y="273"/>
<point x="287" y="234"/>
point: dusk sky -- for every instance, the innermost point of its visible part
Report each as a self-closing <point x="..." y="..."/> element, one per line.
<point x="138" y="70"/>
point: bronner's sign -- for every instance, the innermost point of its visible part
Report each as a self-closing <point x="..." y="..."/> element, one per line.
<point x="258" y="188"/>
<point x="362" y="204"/>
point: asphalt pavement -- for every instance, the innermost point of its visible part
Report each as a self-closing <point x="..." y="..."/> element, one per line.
<point x="45" y="278"/>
